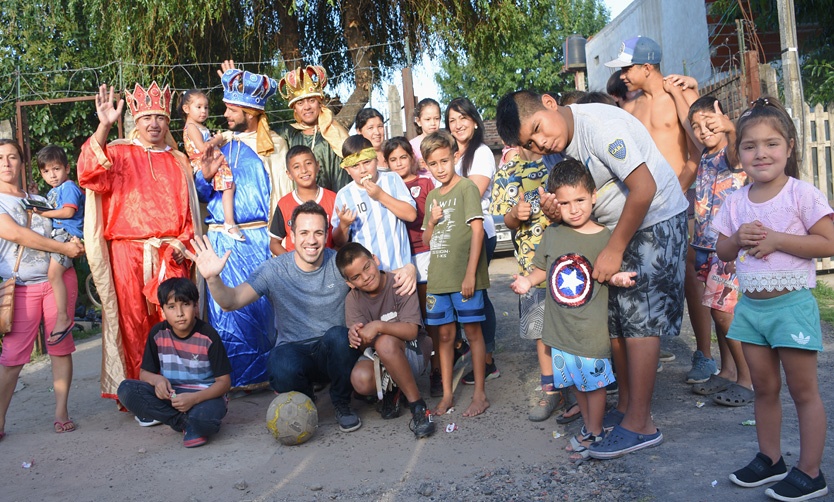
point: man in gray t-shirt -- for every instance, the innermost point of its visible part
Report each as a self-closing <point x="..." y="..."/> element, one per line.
<point x="308" y="296"/>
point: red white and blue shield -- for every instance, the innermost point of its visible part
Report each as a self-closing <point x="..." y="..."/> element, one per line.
<point x="570" y="281"/>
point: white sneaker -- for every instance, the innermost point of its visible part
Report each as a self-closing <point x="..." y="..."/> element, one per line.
<point x="146" y="422"/>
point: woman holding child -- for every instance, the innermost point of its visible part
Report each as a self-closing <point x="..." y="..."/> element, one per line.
<point x="33" y="295"/>
<point x="474" y="160"/>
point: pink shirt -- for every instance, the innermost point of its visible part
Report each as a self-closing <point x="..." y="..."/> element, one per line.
<point x="797" y="207"/>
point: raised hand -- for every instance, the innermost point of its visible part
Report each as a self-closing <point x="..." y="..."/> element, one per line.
<point x="225" y="66"/>
<point x="523" y="209"/>
<point x="372" y="188"/>
<point x="717" y="122"/>
<point x="107" y="113"/>
<point x="436" y="213"/>
<point x="208" y="263"/>
<point x="346" y="216"/>
<point x="210" y="162"/>
<point x="550" y="206"/>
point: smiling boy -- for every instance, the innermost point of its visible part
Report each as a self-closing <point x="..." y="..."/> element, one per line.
<point x="640" y="201"/>
<point x="390" y="326"/>
<point x="302" y="168"/>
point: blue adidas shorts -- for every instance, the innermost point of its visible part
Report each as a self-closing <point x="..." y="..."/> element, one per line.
<point x="788" y="321"/>
<point x="445" y="308"/>
<point x="585" y="373"/>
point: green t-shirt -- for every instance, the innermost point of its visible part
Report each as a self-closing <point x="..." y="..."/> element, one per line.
<point x="576" y="308"/>
<point x="451" y="237"/>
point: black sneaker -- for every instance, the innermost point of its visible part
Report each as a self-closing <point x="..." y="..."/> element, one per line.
<point x="347" y="419"/>
<point x="391" y="404"/>
<point x="798" y="486"/>
<point x="435" y="384"/>
<point x="421" y="423"/>
<point x="760" y="472"/>
<point x="491" y="374"/>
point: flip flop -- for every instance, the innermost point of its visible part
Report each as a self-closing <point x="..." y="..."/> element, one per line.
<point x="61" y="334"/>
<point x="564" y="418"/>
<point x="735" y="396"/>
<point x="61" y="427"/>
<point x="711" y="386"/>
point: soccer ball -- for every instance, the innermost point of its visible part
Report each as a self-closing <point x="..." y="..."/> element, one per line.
<point x="292" y="418"/>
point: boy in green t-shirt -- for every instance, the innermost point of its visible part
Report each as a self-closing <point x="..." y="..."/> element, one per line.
<point x="453" y="228"/>
<point x="576" y="309"/>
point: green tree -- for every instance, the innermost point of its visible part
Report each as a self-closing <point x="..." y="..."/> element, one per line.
<point x="357" y="41"/>
<point x="530" y="56"/>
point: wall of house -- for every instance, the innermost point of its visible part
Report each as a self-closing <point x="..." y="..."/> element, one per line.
<point x="679" y="26"/>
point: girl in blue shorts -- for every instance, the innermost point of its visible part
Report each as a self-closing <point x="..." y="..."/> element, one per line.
<point x="773" y="229"/>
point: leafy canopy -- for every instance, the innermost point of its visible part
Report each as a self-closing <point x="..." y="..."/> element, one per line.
<point x="528" y="55"/>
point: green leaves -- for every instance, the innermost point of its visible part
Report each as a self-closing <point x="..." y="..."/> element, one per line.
<point x="523" y="52"/>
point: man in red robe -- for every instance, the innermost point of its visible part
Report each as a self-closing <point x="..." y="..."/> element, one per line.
<point x="142" y="213"/>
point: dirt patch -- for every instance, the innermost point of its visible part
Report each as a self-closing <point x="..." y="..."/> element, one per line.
<point x="498" y="456"/>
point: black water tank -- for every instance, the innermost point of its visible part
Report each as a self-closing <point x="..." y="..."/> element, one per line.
<point x="575" y="52"/>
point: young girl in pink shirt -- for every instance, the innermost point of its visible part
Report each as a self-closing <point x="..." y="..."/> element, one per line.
<point x="773" y="229"/>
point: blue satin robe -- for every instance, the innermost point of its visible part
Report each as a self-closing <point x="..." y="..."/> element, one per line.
<point x="248" y="333"/>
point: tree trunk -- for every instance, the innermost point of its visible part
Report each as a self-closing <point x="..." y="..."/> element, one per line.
<point x="361" y="57"/>
<point x="288" y="38"/>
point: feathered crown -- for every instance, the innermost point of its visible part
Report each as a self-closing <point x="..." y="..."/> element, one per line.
<point x="303" y="83"/>
<point x="153" y="101"/>
<point x="250" y="90"/>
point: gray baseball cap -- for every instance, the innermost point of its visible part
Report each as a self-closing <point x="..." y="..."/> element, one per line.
<point x="637" y="50"/>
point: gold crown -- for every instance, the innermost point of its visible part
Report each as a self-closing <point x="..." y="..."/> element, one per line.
<point x="303" y="83"/>
<point x="153" y="101"/>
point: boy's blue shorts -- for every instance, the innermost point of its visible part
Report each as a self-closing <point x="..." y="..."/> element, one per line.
<point x="585" y="373"/>
<point x="788" y="321"/>
<point x="442" y="308"/>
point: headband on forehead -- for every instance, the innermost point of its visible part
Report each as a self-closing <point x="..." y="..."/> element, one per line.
<point x="355" y="158"/>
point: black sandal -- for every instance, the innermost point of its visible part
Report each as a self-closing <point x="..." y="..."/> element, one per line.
<point x="564" y="418"/>
<point x="60" y="334"/>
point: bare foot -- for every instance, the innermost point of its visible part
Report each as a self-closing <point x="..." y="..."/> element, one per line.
<point x="443" y="406"/>
<point x="476" y="407"/>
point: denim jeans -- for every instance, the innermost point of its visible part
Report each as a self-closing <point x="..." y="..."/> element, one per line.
<point x="203" y="418"/>
<point x="329" y="358"/>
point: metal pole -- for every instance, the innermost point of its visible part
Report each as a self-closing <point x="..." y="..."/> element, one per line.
<point x="794" y="101"/>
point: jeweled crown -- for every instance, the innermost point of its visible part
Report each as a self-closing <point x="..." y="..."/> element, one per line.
<point x="153" y="101"/>
<point x="250" y="90"/>
<point x="303" y="83"/>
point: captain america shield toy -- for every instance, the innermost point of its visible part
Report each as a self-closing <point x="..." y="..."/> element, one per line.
<point x="570" y="281"/>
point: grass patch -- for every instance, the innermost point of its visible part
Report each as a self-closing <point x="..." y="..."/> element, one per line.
<point x="825" y="298"/>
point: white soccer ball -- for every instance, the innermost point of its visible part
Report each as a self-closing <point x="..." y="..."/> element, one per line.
<point x="292" y="418"/>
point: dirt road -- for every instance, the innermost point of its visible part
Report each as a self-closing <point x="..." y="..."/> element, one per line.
<point x="498" y="456"/>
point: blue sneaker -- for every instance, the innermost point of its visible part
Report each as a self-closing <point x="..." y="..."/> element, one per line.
<point x="612" y="419"/>
<point x="702" y="368"/>
<point x="621" y="441"/>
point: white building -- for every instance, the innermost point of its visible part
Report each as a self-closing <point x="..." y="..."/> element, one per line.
<point x="679" y="26"/>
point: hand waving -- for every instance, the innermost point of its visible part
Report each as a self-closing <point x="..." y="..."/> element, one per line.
<point x="208" y="263"/>
<point x="107" y="113"/>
